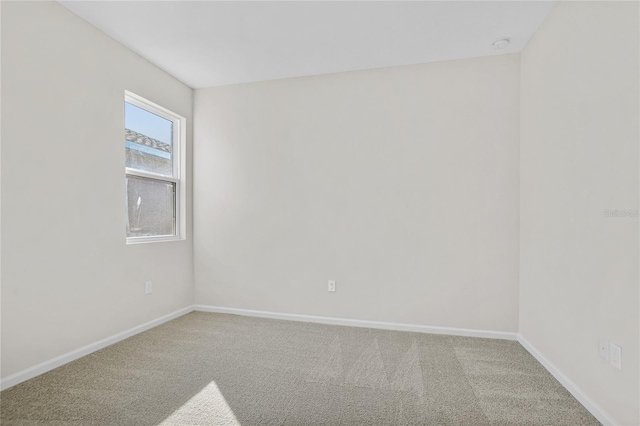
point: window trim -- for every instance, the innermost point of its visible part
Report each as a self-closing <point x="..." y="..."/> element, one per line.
<point x="178" y="156"/>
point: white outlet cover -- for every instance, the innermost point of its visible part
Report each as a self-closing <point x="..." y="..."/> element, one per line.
<point x="615" y="355"/>
<point x="332" y="285"/>
<point x="603" y="349"/>
<point x="148" y="287"/>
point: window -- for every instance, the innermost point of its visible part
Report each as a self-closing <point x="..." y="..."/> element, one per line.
<point x="153" y="141"/>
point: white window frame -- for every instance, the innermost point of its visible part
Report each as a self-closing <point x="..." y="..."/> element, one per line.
<point x="178" y="159"/>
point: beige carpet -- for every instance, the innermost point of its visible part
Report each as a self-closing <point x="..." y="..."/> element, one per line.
<point x="213" y="369"/>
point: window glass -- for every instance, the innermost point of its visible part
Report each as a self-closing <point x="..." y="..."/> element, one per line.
<point x="148" y="141"/>
<point x="150" y="207"/>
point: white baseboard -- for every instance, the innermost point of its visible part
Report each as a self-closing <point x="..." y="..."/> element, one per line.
<point x="597" y="411"/>
<point x="56" y="362"/>
<point x="46" y="366"/>
<point x="505" y="335"/>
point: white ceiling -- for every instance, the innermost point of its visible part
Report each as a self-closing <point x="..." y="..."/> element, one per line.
<point x="216" y="43"/>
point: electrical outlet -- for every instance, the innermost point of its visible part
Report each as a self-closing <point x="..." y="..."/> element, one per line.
<point x="332" y="285"/>
<point x="603" y="349"/>
<point x="148" y="287"/>
<point x="615" y="355"/>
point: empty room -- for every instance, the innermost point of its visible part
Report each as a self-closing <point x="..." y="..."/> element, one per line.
<point x="320" y="213"/>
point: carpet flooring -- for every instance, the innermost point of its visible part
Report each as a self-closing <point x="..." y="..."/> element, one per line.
<point x="216" y="369"/>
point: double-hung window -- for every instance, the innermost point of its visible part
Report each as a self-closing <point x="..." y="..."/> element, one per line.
<point x="154" y="140"/>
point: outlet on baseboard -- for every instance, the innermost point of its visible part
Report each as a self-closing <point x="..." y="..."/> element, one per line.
<point x="148" y="287"/>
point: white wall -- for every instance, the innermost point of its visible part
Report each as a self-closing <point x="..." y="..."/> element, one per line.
<point x="399" y="183"/>
<point x="579" y="156"/>
<point x="68" y="279"/>
<point x="402" y="184"/>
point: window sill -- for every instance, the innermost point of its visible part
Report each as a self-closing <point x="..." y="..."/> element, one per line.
<point x="145" y="240"/>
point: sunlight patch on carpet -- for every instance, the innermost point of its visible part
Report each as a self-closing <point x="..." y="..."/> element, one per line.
<point x="206" y="407"/>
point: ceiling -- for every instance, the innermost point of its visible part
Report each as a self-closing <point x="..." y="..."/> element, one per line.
<point x="208" y="44"/>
